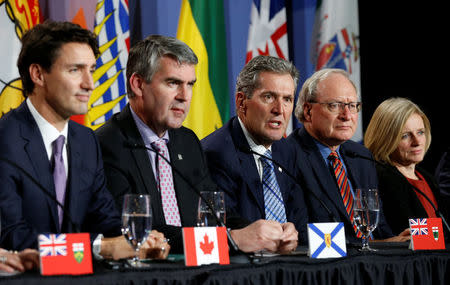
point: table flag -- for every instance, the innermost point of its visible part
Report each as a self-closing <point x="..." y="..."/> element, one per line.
<point x="65" y="254"/>
<point x="326" y="240"/>
<point x="205" y="245"/>
<point x="426" y="234"/>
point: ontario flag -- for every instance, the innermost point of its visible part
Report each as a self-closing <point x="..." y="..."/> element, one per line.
<point x="426" y="233"/>
<point x="205" y="245"/>
<point x="65" y="254"/>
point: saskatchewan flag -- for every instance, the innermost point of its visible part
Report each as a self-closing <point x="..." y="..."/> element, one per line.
<point x="202" y="27"/>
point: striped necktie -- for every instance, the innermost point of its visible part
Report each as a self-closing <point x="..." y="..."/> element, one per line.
<point x="273" y="200"/>
<point x="344" y="187"/>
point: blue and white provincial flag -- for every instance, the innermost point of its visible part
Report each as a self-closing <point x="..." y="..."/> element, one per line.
<point x="326" y="240"/>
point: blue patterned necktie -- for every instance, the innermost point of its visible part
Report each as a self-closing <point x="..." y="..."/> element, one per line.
<point x="273" y="200"/>
<point x="59" y="174"/>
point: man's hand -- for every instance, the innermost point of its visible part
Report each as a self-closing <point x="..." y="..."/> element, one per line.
<point x="21" y="261"/>
<point x="289" y="239"/>
<point x="266" y="235"/>
<point x="116" y="248"/>
<point x="155" y="247"/>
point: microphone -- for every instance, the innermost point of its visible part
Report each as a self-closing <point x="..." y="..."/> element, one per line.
<point x="438" y="213"/>
<point x="44" y="190"/>
<point x="210" y="206"/>
<point x="250" y="151"/>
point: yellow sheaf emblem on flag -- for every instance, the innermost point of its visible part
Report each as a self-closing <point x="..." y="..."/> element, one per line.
<point x="327" y="238"/>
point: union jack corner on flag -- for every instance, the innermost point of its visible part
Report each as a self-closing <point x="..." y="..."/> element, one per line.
<point x="65" y="254"/>
<point x="426" y="234"/>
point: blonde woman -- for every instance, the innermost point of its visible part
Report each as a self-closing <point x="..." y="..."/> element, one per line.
<point x="399" y="136"/>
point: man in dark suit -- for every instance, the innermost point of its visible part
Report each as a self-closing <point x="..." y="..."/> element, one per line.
<point x="265" y="91"/>
<point x="42" y="148"/>
<point x="160" y="78"/>
<point x="328" y="107"/>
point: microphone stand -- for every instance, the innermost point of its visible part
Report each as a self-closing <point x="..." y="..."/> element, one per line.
<point x="330" y="214"/>
<point x="210" y="206"/>
<point x="45" y="191"/>
<point x="436" y="211"/>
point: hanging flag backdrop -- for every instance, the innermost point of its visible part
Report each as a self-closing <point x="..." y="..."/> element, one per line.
<point x="16" y="17"/>
<point x="267" y="34"/>
<point x="201" y="26"/>
<point x="112" y="30"/>
<point x="335" y="42"/>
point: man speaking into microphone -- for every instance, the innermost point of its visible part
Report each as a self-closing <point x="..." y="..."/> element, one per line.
<point x="239" y="154"/>
<point x="328" y="106"/>
<point x="51" y="169"/>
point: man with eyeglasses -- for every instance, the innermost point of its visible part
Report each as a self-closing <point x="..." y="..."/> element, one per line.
<point x="327" y="162"/>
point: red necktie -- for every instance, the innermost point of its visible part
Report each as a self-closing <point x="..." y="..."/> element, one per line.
<point x="344" y="187"/>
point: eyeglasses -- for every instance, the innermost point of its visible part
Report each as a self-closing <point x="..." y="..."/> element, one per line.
<point x="337" y="107"/>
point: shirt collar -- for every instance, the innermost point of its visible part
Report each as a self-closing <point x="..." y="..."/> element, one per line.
<point x="253" y="145"/>
<point x="325" y="150"/>
<point x="147" y="134"/>
<point x="48" y="131"/>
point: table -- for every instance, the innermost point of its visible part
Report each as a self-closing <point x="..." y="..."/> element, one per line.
<point x="391" y="265"/>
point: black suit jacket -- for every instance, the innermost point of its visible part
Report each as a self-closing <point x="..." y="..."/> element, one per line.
<point x="235" y="171"/>
<point x="26" y="209"/>
<point x="128" y="170"/>
<point x="400" y="201"/>
<point x="315" y="175"/>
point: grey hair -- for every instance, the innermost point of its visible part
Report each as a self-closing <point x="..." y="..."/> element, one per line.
<point x="248" y="79"/>
<point x="308" y="93"/>
<point x="145" y="56"/>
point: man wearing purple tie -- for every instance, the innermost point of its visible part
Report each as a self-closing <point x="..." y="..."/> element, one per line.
<point x="51" y="169"/>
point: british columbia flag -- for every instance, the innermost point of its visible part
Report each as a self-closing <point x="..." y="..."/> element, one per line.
<point x="418" y="227"/>
<point x="52" y="244"/>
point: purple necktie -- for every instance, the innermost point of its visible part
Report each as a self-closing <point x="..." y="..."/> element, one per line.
<point x="59" y="174"/>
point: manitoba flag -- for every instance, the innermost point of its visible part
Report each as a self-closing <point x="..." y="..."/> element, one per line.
<point x="205" y="245"/>
<point x="65" y="254"/>
<point x="426" y="233"/>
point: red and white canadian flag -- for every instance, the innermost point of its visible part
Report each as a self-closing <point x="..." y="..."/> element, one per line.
<point x="205" y="245"/>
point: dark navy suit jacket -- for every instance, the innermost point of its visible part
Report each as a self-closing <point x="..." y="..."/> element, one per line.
<point x="128" y="170"/>
<point x="25" y="210"/>
<point x="235" y="172"/>
<point x="315" y="175"/>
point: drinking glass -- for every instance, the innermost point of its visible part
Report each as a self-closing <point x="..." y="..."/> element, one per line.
<point x="136" y="223"/>
<point x="366" y="209"/>
<point x="205" y="216"/>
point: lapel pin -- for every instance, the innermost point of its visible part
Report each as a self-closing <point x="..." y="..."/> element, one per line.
<point x="279" y="169"/>
<point x="180" y="157"/>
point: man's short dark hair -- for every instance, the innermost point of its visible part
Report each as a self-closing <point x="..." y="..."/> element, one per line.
<point x="42" y="43"/>
<point x="145" y="56"/>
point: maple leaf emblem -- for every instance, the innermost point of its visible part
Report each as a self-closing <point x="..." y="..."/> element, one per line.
<point x="206" y="246"/>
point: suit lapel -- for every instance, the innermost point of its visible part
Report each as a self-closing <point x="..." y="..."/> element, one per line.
<point x="248" y="165"/>
<point x="140" y="156"/>
<point x="322" y="173"/>
<point x="187" y="200"/>
<point x="37" y="157"/>
<point x="282" y="179"/>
